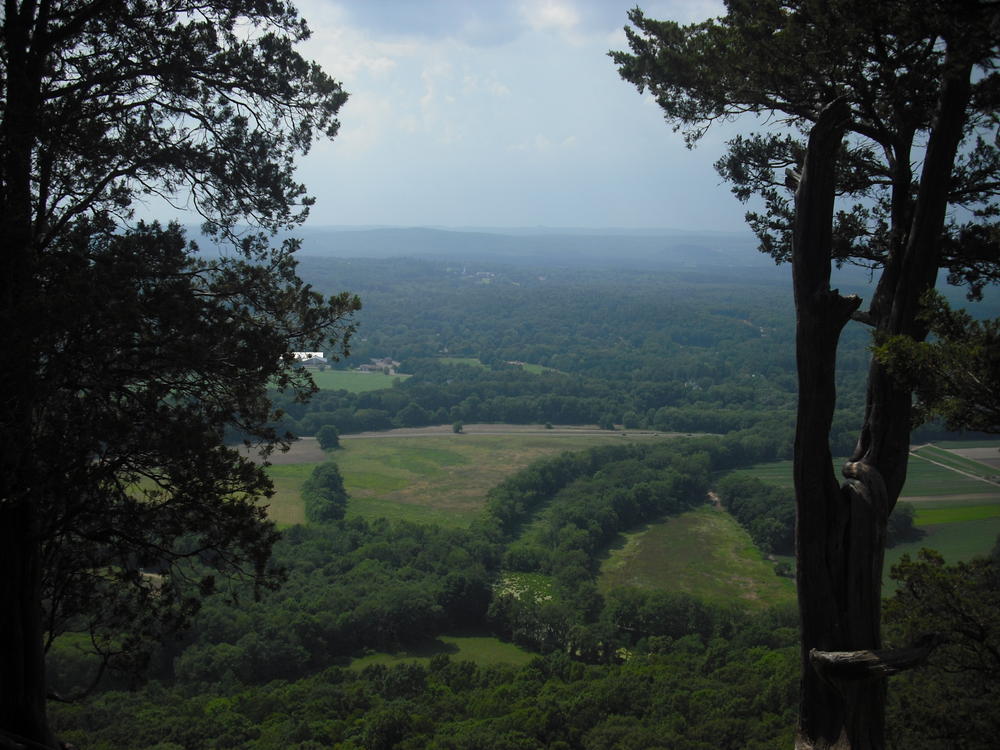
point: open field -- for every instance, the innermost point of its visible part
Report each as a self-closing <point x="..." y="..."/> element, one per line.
<point x="470" y="361"/>
<point x="286" y="506"/>
<point x="955" y="514"/>
<point x="959" y="540"/>
<point x="959" y="514"/>
<point x="924" y="479"/>
<point x="984" y="455"/>
<point x="352" y="381"/>
<point x="957" y="460"/>
<point x="429" y="474"/>
<point x="703" y="552"/>
<point x="483" y="650"/>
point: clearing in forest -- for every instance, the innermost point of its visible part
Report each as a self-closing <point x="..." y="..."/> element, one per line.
<point x="480" y="649"/>
<point x="429" y="475"/>
<point x="353" y="381"/>
<point x="703" y="552"/>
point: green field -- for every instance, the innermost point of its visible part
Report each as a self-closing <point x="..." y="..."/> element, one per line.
<point x="482" y="650"/>
<point x="436" y="478"/>
<point x="955" y="541"/>
<point x="703" y="552"/>
<point x="954" y="461"/>
<point x="959" y="515"/>
<point x="955" y="514"/>
<point x="470" y="361"/>
<point x="286" y="508"/>
<point x="923" y="478"/>
<point x="352" y="381"/>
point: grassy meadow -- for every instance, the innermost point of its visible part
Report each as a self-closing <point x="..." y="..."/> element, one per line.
<point x="703" y="552"/>
<point x="480" y="649"/>
<point x="439" y="478"/>
<point x="353" y="381"/>
<point x="443" y="478"/>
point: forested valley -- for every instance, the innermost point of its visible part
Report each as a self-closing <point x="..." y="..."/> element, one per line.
<point x="270" y="484"/>
<point x="676" y="352"/>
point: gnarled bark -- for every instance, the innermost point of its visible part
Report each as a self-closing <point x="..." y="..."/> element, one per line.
<point x="840" y="529"/>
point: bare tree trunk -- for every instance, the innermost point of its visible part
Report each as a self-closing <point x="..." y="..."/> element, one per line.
<point x="836" y="534"/>
<point x="840" y="529"/>
<point x="23" y="715"/>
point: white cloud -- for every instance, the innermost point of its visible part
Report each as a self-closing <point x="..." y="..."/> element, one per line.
<point x="449" y="125"/>
<point x="544" y="15"/>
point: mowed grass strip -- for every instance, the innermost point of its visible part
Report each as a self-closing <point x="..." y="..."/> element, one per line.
<point x="703" y="552"/>
<point x="286" y="508"/>
<point x="955" y="514"/>
<point x="438" y="478"/>
<point x="482" y="650"/>
<point x="352" y="381"/>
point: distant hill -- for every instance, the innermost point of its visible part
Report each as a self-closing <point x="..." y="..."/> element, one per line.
<point x="641" y="249"/>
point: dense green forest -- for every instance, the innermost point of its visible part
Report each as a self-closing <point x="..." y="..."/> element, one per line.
<point x="169" y="581"/>
<point x="672" y="350"/>
<point x="625" y="668"/>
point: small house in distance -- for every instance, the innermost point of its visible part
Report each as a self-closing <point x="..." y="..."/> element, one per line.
<point x="386" y="365"/>
<point x="307" y="359"/>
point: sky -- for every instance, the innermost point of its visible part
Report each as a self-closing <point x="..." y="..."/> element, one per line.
<point x="502" y="113"/>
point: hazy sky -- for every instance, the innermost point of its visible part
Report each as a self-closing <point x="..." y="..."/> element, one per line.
<point x="502" y="113"/>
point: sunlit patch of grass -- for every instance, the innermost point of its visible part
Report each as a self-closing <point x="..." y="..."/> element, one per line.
<point x="482" y="650"/>
<point x="353" y="381"/>
<point x="703" y="552"/>
<point x="956" y="513"/>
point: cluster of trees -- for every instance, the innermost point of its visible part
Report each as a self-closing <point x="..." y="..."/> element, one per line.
<point x="767" y="512"/>
<point x="128" y="354"/>
<point x="950" y="701"/>
<point x="259" y="675"/>
<point x="323" y="494"/>
<point x="126" y="351"/>
<point x="691" y="695"/>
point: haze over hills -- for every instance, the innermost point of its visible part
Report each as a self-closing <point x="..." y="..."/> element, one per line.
<point x="642" y="248"/>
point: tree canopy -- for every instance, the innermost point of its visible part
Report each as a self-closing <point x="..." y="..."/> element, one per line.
<point x="128" y="352"/>
<point x="882" y="151"/>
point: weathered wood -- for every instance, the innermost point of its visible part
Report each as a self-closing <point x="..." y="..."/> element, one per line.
<point x="841" y="529"/>
<point x="847" y="666"/>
